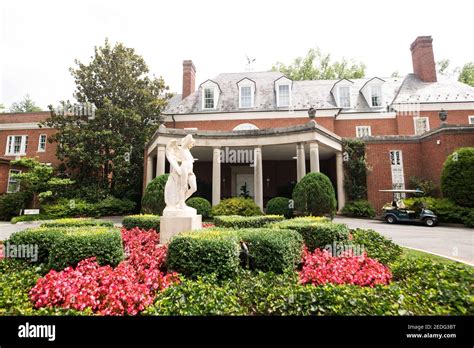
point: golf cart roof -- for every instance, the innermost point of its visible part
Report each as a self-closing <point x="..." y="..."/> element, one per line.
<point x="402" y="191"/>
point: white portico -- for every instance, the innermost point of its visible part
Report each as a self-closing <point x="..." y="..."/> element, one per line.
<point x="227" y="159"/>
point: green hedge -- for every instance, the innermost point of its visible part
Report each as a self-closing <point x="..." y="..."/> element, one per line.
<point x="223" y="251"/>
<point x="144" y="222"/>
<point x="279" y="206"/>
<point x="361" y="208"/>
<point x="12" y="203"/>
<point x="314" y="195"/>
<point x="204" y="252"/>
<point x="377" y="246"/>
<point x="202" y="205"/>
<point x="80" y="222"/>
<point x="457" y="177"/>
<point x="315" y="234"/>
<point x="78" y="207"/>
<point x="235" y="221"/>
<point x="59" y="247"/>
<point x="236" y="206"/>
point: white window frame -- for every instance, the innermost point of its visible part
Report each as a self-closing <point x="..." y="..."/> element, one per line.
<point x="279" y="104"/>
<point x="379" y="87"/>
<point x="339" y="97"/>
<point x="360" y="131"/>
<point x="415" y="119"/>
<point x="12" y="181"/>
<point x="470" y="119"/>
<point x="40" y="149"/>
<point x="396" y="168"/>
<point x="204" y="98"/>
<point x="252" y="93"/>
<point x="9" y="151"/>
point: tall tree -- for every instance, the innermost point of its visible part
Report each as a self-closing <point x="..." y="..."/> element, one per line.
<point x="318" y="66"/>
<point x="467" y="74"/>
<point x="25" y="105"/>
<point x="106" y="150"/>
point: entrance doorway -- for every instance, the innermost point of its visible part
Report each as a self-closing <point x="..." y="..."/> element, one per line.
<point x="244" y="180"/>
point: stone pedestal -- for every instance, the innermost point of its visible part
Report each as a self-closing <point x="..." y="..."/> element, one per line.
<point x="174" y="222"/>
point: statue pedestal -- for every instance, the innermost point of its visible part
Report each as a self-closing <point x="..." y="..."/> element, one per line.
<point x="170" y="224"/>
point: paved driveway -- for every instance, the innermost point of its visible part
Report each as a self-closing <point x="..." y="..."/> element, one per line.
<point x="453" y="242"/>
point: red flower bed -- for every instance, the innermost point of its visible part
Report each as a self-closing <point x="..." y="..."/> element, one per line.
<point x="321" y="267"/>
<point x="125" y="290"/>
<point x="207" y="224"/>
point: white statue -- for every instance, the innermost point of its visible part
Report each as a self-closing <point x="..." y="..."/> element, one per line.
<point x="181" y="182"/>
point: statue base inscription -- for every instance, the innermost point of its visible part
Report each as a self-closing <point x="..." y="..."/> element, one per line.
<point x="172" y="225"/>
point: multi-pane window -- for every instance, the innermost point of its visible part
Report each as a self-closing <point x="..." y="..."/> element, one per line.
<point x="363" y="131"/>
<point x="42" y="143"/>
<point x="208" y="98"/>
<point x="398" y="178"/>
<point x="246" y="97"/>
<point x="13" y="184"/>
<point x="376" y="95"/>
<point x="16" y="145"/>
<point x="421" y="125"/>
<point x="344" y="97"/>
<point x="284" y="95"/>
<point x="471" y="119"/>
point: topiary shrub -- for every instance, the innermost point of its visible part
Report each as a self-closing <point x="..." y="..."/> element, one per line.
<point x="153" y="201"/>
<point x="457" y="177"/>
<point x="236" y="206"/>
<point x="235" y="221"/>
<point x="361" y="208"/>
<point x="316" y="234"/>
<point x="279" y="206"/>
<point x="144" y="222"/>
<point x="80" y="222"/>
<point x="202" y="205"/>
<point x="314" y="195"/>
<point x="377" y="246"/>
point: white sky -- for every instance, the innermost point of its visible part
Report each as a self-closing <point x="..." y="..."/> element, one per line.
<point x="39" y="40"/>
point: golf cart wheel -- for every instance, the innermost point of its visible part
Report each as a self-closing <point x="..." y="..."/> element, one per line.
<point x="430" y="222"/>
<point x="390" y="219"/>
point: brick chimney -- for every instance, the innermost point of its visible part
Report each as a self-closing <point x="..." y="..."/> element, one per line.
<point x="189" y="78"/>
<point x="424" y="66"/>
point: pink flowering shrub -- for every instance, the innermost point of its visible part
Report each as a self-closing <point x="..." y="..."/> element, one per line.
<point x="125" y="290"/>
<point x="207" y="225"/>
<point x="321" y="267"/>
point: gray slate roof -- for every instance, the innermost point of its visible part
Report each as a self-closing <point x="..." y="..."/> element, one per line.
<point x="317" y="94"/>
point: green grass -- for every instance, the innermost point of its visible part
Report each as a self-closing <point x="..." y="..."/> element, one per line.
<point x="415" y="254"/>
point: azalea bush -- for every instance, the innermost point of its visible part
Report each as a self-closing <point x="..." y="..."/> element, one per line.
<point x="125" y="290"/>
<point x="321" y="267"/>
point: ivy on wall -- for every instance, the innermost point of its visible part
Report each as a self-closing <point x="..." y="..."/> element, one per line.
<point x="355" y="169"/>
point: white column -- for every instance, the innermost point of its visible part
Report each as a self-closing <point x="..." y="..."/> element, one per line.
<point x="300" y="162"/>
<point x="341" y="199"/>
<point x="258" y="177"/>
<point x="314" y="156"/>
<point x="149" y="169"/>
<point x="160" y="160"/>
<point x="216" y="175"/>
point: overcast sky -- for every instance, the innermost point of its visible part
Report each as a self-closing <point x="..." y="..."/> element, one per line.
<point x="39" y="40"/>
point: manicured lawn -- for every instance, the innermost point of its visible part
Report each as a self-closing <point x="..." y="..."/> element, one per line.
<point x="415" y="254"/>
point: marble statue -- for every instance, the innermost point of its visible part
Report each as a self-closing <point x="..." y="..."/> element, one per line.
<point x="181" y="182"/>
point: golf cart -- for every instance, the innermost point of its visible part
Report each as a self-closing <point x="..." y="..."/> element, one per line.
<point x="396" y="211"/>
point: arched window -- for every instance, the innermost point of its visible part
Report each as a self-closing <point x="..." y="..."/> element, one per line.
<point x="245" y="126"/>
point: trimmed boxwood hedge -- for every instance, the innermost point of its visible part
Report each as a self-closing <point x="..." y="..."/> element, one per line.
<point x="236" y="206"/>
<point x="223" y="251"/>
<point x="144" y="222"/>
<point x="279" y="206"/>
<point x="236" y="221"/>
<point x="315" y="234"/>
<point x="80" y="222"/>
<point x="202" y="205"/>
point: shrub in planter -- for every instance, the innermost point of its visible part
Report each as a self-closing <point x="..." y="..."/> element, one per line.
<point x="153" y="201"/>
<point x="12" y="203"/>
<point x="279" y="206"/>
<point x="377" y="246"/>
<point x="316" y="234"/>
<point x="75" y="245"/>
<point x="79" y="222"/>
<point x="202" y="205"/>
<point x="314" y="195"/>
<point x="271" y="250"/>
<point x="361" y="208"/>
<point x="235" y="221"/>
<point x="204" y="252"/>
<point x="144" y="222"/>
<point x="457" y="177"/>
<point x="236" y="206"/>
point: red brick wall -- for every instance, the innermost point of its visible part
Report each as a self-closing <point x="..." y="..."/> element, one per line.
<point x="347" y="128"/>
<point x="406" y="125"/>
<point x="231" y="124"/>
<point x="30" y="117"/>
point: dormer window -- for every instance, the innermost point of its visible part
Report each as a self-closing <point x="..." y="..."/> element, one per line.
<point x="208" y="98"/>
<point x="344" y="97"/>
<point x="376" y="95"/>
<point x="284" y="95"/>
